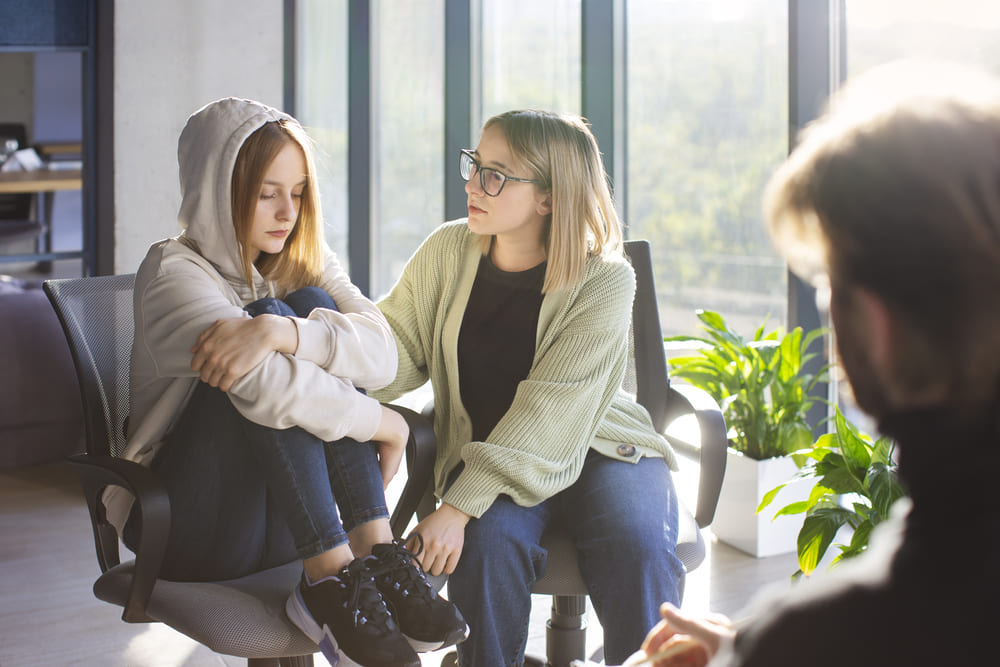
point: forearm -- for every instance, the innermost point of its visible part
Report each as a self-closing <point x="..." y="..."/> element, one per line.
<point x="283" y="392"/>
<point x="355" y="346"/>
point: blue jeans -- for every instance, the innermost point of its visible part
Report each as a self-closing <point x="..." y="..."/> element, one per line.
<point x="246" y="497"/>
<point x="625" y="545"/>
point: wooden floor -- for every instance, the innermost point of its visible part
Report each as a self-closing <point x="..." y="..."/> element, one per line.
<point x="48" y="615"/>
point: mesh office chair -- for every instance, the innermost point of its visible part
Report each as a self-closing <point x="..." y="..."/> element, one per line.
<point x="647" y="377"/>
<point x="242" y="617"/>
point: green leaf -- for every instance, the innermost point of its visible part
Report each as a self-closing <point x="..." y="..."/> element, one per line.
<point x="820" y="492"/>
<point x="712" y="320"/>
<point x="794" y="437"/>
<point x="716" y="327"/>
<point x="854" y="449"/>
<point x="791" y="355"/>
<point x="817" y="533"/>
<point x="885" y="488"/>
<point x="792" y="508"/>
<point x="859" y="542"/>
<point x="686" y="339"/>
<point x="812" y="336"/>
<point x="882" y="451"/>
<point x="827" y="442"/>
<point x="768" y="497"/>
<point x="681" y="361"/>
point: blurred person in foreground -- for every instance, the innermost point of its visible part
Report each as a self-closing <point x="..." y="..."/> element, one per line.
<point x="891" y="206"/>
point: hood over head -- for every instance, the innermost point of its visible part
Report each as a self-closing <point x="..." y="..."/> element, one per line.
<point x="206" y="154"/>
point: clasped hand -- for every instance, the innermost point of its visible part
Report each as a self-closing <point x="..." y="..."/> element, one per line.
<point x="232" y="347"/>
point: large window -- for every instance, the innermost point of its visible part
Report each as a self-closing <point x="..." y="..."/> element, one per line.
<point x="321" y="105"/>
<point x="707" y="124"/>
<point x="702" y="120"/>
<point x="958" y="30"/>
<point x="530" y="56"/>
<point x="408" y="167"/>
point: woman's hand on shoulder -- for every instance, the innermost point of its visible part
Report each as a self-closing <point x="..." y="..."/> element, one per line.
<point x="443" y="533"/>
<point x="232" y="347"/>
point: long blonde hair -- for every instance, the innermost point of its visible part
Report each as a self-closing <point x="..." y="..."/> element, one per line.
<point x="300" y="263"/>
<point x="562" y="154"/>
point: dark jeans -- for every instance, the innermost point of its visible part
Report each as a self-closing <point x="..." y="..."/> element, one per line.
<point x="246" y="497"/>
<point x="622" y="517"/>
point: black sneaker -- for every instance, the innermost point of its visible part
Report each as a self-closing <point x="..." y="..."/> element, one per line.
<point x="347" y="618"/>
<point x="427" y="620"/>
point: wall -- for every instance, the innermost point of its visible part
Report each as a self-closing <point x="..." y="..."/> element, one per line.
<point x="170" y="59"/>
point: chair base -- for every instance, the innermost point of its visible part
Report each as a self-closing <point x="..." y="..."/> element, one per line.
<point x="566" y="630"/>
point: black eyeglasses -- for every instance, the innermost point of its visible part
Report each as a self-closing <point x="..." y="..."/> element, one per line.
<point x="491" y="180"/>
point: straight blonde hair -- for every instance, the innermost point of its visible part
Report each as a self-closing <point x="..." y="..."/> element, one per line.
<point x="561" y="153"/>
<point x="300" y="262"/>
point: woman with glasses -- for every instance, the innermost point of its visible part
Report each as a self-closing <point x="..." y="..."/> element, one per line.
<point x="519" y="315"/>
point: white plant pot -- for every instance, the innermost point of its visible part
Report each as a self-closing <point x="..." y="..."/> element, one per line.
<point x="745" y="483"/>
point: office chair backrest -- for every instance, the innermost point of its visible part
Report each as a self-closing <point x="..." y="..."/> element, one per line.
<point x="15" y="206"/>
<point x="651" y="381"/>
<point x="97" y="317"/>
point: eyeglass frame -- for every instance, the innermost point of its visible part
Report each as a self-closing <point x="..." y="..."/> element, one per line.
<point x="469" y="153"/>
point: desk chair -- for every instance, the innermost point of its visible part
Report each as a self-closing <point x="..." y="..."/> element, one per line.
<point x="16" y="220"/>
<point x="242" y="617"/>
<point x="565" y="629"/>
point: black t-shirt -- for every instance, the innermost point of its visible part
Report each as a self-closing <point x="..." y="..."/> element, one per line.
<point x="496" y="345"/>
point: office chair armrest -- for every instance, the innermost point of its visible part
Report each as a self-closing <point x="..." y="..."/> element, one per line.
<point x="711" y="452"/>
<point x="97" y="473"/>
<point x="421" y="448"/>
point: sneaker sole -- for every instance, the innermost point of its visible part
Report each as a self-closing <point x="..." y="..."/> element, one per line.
<point x="421" y="646"/>
<point x="295" y="609"/>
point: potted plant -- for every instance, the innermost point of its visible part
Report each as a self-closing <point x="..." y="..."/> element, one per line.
<point x="765" y="390"/>
<point x="848" y="468"/>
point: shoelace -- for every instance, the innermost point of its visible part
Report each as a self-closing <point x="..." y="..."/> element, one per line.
<point x="404" y="561"/>
<point x="355" y="575"/>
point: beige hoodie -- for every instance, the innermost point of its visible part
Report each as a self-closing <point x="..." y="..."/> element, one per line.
<point x="187" y="283"/>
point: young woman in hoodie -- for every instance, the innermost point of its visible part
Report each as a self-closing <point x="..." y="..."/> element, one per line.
<point x="519" y="315"/>
<point x="252" y="354"/>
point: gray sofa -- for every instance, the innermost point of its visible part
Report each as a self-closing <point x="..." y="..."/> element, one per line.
<point x="41" y="418"/>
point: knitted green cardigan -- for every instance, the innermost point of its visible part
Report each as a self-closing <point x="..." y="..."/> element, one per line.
<point x="570" y="402"/>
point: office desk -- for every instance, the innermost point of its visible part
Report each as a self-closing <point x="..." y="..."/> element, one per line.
<point x="40" y="180"/>
<point x="43" y="183"/>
